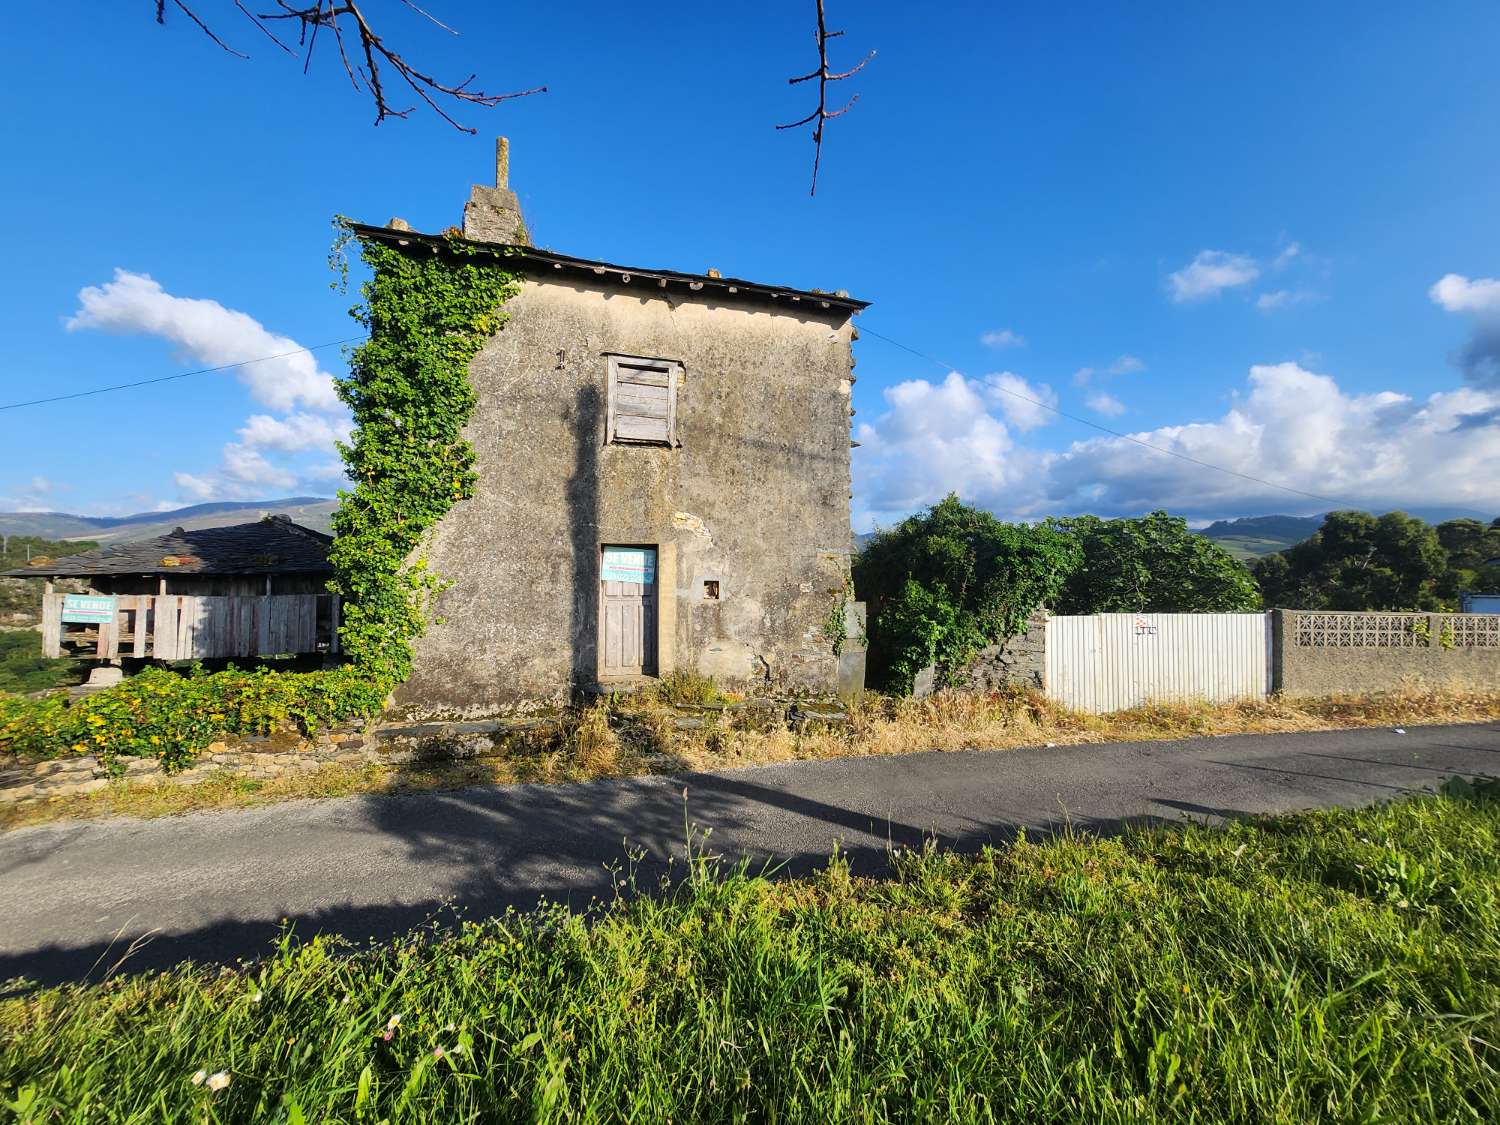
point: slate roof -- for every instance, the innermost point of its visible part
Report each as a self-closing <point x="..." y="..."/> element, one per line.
<point x="274" y="545"/>
<point x="547" y="263"/>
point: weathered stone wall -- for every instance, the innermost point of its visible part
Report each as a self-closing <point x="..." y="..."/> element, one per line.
<point x="1406" y="657"/>
<point x="1019" y="661"/>
<point x="252" y="756"/>
<point x="756" y="497"/>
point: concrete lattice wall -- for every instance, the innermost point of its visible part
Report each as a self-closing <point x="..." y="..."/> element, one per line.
<point x="1318" y="653"/>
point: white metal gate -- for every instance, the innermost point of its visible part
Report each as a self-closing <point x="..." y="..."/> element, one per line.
<point x="1113" y="661"/>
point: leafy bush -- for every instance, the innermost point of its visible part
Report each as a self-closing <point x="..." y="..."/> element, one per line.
<point x="161" y="714"/>
<point x="1153" y="564"/>
<point x="950" y="580"/>
<point x="953" y="579"/>
<point x="1357" y="561"/>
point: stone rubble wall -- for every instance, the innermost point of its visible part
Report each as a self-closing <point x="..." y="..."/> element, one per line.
<point x="256" y="757"/>
<point x="354" y="744"/>
<point x="1019" y="661"/>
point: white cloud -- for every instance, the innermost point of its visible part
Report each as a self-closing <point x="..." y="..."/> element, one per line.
<point x="39" y="494"/>
<point x="1291" y="427"/>
<point x="1284" y="298"/>
<point x="934" y="437"/>
<point x="270" y="453"/>
<point x="1106" y="404"/>
<point x="1288" y="253"/>
<point x="1123" y="365"/>
<point x="294" y="433"/>
<point x="209" y="333"/>
<point x="1003" y="338"/>
<point x="1025" y="405"/>
<point x="1457" y="293"/>
<point x="1209" y="274"/>
<point x="1480" y="299"/>
<point x="194" y="488"/>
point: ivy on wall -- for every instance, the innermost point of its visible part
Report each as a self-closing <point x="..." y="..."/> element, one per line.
<point x="428" y="313"/>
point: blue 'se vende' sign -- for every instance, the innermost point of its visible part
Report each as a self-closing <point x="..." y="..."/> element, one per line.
<point x="629" y="564"/>
<point x="88" y="609"/>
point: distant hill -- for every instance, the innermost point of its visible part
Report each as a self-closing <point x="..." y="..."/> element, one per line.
<point x="311" y="511"/>
<point x="1250" y="537"/>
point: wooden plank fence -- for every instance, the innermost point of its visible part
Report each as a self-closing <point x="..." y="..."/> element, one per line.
<point x="193" y="627"/>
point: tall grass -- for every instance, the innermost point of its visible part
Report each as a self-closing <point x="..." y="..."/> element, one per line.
<point x="1338" y="966"/>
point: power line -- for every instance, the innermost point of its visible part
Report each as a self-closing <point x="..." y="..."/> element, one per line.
<point x="179" y="375"/>
<point x="864" y="330"/>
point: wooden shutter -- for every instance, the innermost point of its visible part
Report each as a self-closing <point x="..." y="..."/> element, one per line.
<point x="642" y="400"/>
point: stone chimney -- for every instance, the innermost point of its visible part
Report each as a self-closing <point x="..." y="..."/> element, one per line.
<point x="494" y="214"/>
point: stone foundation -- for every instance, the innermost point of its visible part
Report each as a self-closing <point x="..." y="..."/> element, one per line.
<point x="254" y="756"/>
<point x="264" y="757"/>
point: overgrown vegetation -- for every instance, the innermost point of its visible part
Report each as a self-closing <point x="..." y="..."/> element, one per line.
<point x="165" y="715"/>
<point x="950" y="580"/>
<point x="21" y="598"/>
<point x="946" y="582"/>
<point x="686" y="689"/>
<point x="1333" y="966"/>
<point x="1357" y="561"/>
<point x="23" y="668"/>
<point x="640" y="734"/>
<point x="408" y="389"/>
<point x="1153" y="564"/>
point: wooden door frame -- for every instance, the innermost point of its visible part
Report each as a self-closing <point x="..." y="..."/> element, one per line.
<point x="656" y="613"/>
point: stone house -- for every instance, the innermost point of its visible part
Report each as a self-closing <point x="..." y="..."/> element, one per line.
<point x="664" y="484"/>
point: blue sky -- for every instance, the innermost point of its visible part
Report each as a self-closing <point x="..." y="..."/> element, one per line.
<point x="1224" y="232"/>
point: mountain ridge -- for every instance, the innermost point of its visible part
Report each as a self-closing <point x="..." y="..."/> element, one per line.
<point x="311" y="511"/>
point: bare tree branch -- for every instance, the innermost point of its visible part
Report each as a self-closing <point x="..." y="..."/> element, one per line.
<point x="367" y="75"/>
<point x="822" y="114"/>
<point x="161" y="13"/>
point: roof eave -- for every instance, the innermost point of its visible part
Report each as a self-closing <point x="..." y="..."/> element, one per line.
<point x="544" y="260"/>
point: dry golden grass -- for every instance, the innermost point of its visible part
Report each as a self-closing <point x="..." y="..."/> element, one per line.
<point x="638" y="735"/>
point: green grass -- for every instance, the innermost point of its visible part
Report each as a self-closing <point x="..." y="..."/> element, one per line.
<point x="23" y="668"/>
<point x="1340" y="966"/>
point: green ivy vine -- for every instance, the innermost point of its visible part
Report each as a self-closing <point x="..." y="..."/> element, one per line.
<point x="428" y="312"/>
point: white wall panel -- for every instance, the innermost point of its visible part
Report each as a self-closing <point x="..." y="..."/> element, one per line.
<point x="1113" y="661"/>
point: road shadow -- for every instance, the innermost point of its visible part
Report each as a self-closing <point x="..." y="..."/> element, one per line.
<point x="484" y="850"/>
<point x="517" y="845"/>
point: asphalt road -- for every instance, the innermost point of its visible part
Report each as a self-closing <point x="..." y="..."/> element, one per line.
<point x="214" y="886"/>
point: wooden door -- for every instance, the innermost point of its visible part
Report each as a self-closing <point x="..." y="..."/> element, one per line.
<point x="627" y="612"/>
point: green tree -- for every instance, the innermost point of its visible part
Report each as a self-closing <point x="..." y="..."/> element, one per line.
<point x="1473" y="551"/>
<point x="950" y="580"/>
<point x="1153" y="564"/>
<point x="1357" y="561"/>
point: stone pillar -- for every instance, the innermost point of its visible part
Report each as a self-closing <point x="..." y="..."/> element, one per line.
<point x="1279" y="642"/>
<point x="494" y="214"/>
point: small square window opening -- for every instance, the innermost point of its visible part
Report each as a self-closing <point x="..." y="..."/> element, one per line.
<point x="710" y="589"/>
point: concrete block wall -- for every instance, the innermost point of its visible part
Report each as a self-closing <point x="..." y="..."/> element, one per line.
<point x="1333" y="654"/>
